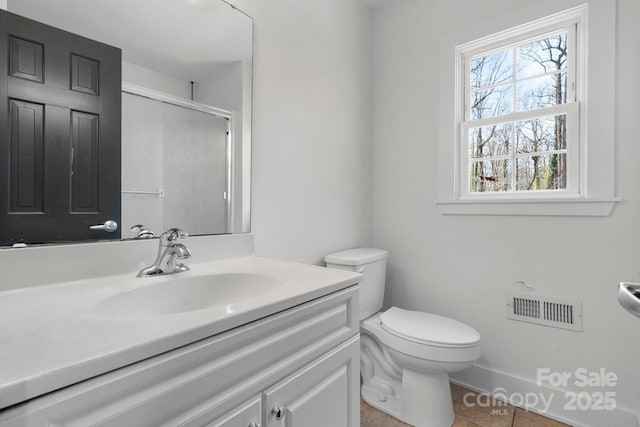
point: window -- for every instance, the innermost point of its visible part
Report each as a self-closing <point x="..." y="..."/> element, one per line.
<point x="519" y="120"/>
<point x="516" y="116"/>
<point x="521" y="130"/>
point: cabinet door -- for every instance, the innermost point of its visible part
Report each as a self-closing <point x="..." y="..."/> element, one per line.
<point x="324" y="393"/>
<point x="246" y="415"/>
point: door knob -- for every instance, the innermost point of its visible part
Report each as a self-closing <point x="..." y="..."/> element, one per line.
<point x="109" y="226"/>
<point x="278" y="412"/>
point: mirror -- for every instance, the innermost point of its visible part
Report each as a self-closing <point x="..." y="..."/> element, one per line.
<point x="186" y="106"/>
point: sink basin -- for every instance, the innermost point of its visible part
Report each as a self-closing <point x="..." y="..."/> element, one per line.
<point x="629" y="297"/>
<point x="185" y="294"/>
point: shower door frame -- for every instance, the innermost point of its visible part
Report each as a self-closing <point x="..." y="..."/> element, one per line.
<point x="156" y="95"/>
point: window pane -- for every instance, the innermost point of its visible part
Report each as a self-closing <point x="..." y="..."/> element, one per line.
<point x="492" y="69"/>
<point x="547" y="172"/>
<point x="542" y="56"/>
<point x="490" y="175"/>
<point x="541" y="92"/>
<point x="541" y="134"/>
<point x="490" y="141"/>
<point x="491" y="102"/>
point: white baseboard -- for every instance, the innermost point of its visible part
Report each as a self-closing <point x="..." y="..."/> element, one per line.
<point x="486" y="380"/>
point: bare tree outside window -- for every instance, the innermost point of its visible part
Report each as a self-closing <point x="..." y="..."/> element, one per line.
<point x="518" y="154"/>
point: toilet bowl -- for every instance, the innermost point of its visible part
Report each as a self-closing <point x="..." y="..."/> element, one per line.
<point x="408" y="365"/>
<point x="406" y="356"/>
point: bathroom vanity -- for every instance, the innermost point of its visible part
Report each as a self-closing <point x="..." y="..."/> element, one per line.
<point x="278" y="346"/>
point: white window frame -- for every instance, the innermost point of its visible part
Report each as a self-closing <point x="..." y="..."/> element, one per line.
<point x="570" y="22"/>
<point x="590" y="185"/>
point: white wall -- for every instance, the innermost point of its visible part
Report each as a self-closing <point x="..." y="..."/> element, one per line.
<point x="461" y="266"/>
<point x="228" y="86"/>
<point x="151" y="79"/>
<point x="221" y="86"/>
<point x="312" y="167"/>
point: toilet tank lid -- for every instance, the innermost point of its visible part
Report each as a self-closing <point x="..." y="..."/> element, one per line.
<point x="356" y="256"/>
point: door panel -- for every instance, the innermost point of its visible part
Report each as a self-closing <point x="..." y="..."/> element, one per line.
<point x="84" y="162"/>
<point x="325" y="401"/>
<point x="84" y="74"/>
<point x="60" y="107"/>
<point x="325" y="393"/>
<point x="27" y="151"/>
<point x="25" y="59"/>
<point x="242" y="416"/>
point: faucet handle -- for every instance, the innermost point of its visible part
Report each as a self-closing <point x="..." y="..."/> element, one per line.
<point x="173" y="234"/>
<point x="142" y="232"/>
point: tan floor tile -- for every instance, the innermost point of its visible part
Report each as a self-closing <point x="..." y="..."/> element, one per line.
<point x="461" y="422"/>
<point x="479" y="409"/>
<point x="371" y="417"/>
<point x="457" y="392"/>
<point x="524" y="418"/>
<point x="497" y="414"/>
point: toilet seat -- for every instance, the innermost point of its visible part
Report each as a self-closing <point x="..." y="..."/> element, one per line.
<point x="428" y="329"/>
<point x="421" y="350"/>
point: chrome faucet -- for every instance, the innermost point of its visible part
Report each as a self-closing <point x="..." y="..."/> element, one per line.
<point x="169" y="252"/>
<point x="142" y="232"/>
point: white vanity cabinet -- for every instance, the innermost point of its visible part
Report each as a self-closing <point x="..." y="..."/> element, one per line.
<point x="303" y="361"/>
<point x="248" y="414"/>
<point x="321" y="394"/>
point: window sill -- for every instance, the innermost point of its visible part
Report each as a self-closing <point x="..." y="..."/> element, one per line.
<point x="530" y="207"/>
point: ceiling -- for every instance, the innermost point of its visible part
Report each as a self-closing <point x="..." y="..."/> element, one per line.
<point x="173" y="36"/>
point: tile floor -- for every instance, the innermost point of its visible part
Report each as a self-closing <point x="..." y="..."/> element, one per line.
<point x="499" y="414"/>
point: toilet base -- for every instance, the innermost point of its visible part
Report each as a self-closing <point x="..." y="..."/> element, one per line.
<point x="406" y="380"/>
<point x="425" y="400"/>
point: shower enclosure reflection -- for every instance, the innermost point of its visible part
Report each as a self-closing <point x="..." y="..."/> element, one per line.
<point x="175" y="165"/>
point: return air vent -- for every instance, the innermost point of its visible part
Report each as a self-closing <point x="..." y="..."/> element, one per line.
<point x="546" y="311"/>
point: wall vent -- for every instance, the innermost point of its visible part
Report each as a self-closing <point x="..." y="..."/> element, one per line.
<point x="546" y="311"/>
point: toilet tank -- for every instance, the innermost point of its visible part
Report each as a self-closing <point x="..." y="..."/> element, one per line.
<point x="372" y="263"/>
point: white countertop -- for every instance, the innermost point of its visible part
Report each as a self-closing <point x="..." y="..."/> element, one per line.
<point x="51" y="337"/>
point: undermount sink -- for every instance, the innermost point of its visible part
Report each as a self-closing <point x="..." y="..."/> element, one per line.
<point x="629" y="297"/>
<point x="185" y="294"/>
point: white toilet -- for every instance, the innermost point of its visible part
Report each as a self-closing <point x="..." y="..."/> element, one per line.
<point x="406" y="356"/>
